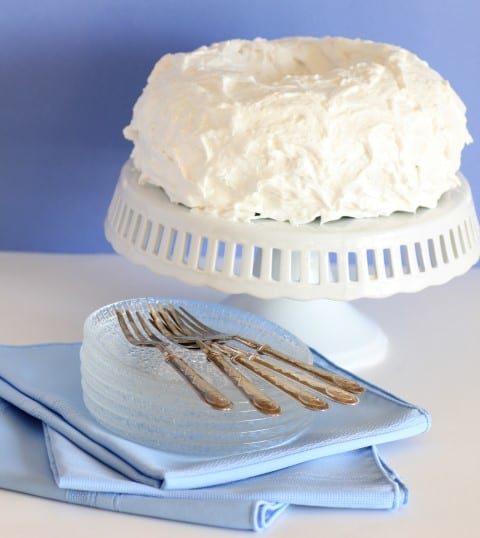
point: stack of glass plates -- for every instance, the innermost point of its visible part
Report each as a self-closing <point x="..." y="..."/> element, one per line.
<point x="135" y="393"/>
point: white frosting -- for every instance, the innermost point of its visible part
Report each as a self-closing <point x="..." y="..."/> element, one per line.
<point x="298" y="128"/>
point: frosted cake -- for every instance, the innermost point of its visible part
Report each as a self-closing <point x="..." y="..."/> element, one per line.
<point x="296" y="129"/>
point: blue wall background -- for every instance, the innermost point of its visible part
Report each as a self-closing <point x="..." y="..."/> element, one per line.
<point x="70" y="72"/>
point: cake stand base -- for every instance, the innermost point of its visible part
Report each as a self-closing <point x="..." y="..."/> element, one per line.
<point x="334" y="328"/>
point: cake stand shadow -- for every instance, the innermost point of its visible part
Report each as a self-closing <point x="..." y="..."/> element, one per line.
<point x="305" y="278"/>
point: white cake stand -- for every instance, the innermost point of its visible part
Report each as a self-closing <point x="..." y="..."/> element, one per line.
<point x="300" y="277"/>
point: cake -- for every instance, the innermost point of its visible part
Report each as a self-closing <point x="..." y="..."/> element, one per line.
<point x="298" y="129"/>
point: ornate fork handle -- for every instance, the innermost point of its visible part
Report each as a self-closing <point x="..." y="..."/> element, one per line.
<point x="207" y="391"/>
<point x="339" y="381"/>
<point x="330" y="391"/>
<point x="304" y="397"/>
<point x="256" y="396"/>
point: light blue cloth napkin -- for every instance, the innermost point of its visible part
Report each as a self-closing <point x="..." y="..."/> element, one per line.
<point x="73" y="458"/>
<point x="357" y="479"/>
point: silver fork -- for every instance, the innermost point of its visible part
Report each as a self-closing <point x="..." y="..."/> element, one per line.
<point x="174" y="325"/>
<point x="167" y="326"/>
<point x="196" y="327"/>
<point x="222" y="357"/>
<point x="136" y="337"/>
<point x="170" y="325"/>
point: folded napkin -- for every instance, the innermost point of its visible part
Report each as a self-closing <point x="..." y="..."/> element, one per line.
<point x="65" y="454"/>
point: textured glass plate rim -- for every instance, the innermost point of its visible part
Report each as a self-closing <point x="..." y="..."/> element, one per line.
<point x="218" y="420"/>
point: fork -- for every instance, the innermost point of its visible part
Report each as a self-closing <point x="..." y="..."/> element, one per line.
<point x="193" y="326"/>
<point x="217" y="353"/>
<point x="136" y="337"/>
<point x="170" y="325"/>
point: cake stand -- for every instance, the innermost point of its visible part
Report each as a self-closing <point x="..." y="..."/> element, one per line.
<point x="301" y="277"/>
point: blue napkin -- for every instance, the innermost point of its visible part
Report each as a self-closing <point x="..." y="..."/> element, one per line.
<point x="66" y="455"/>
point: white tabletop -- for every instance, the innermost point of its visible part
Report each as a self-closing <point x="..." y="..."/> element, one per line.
<point x="432" y="362"/>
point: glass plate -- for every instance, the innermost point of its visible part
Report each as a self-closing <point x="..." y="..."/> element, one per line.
<point x="135" y="393"/>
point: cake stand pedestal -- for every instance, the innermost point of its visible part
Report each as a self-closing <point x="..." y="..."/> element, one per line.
<point x="335" y="328"/>
<point x="301" y="277"/>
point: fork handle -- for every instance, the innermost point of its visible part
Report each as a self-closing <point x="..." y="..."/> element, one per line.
<point x="207" y="391"/>
<point x="307" y="399"/>
<point x="256" y="396"/>
<point x="335" y="379"/>
<point x="333" y="392"/>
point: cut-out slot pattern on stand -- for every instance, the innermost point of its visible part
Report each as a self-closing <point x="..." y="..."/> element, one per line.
<point x="292" y="267"/>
